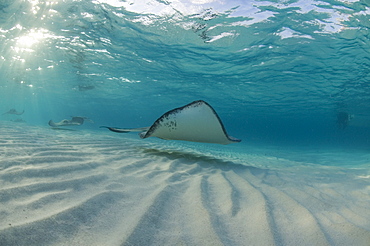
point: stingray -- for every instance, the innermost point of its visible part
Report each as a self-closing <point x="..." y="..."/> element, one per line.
<point x="75" y="121"/>
<point x="13" y="111"/>
<point x="194" y="122"/>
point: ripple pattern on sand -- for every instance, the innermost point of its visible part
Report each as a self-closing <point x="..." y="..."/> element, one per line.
<point x="79" y="188"/>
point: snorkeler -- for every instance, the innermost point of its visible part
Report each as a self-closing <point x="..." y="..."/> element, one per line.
<point x="13" y="111"/>
<point x="343" y="119"/>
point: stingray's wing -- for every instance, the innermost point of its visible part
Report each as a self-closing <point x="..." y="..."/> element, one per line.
<point x="126" y="130"/>
<point x="81" y="119"/>
<point x="10" y="111"/>
<point x="52" y="123"/>
<point x="77" y="120"/>
<point x="195" y="122"/>
<point x="63" y="123"/>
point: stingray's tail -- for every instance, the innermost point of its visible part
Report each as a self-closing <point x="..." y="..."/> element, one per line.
<point x="126" y="130"/>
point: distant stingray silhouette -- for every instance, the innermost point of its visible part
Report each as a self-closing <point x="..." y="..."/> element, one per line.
<point x="75" y="121"/>
<point x="13" y="111"/>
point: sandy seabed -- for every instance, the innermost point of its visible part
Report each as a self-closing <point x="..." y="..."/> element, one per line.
<point x="86" y="188"/>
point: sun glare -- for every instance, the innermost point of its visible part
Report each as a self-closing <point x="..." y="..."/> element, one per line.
<point x="33" y="37"/>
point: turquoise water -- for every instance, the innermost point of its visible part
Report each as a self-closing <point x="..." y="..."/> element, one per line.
<point x="277" y="72"/>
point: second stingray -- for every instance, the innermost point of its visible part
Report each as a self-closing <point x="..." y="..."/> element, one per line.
<point x="195" y="122"/>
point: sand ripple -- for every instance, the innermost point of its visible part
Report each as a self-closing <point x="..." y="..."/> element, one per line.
<point x="79" y="188"/>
